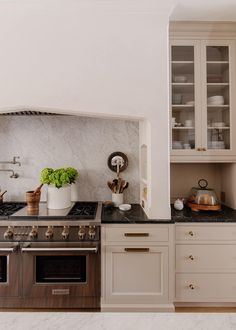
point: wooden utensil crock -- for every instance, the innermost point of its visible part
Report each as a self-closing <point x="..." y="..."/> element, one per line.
<point x="33" y="199"/>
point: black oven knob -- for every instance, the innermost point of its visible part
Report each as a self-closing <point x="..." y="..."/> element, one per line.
<point x="81" y="233"/>
<point x="49" y="233"/>
<point x="92" y="232"/>
<point x="9" y="233"/>
<point x="65" y="233"/>
<point x="34" y="233"/>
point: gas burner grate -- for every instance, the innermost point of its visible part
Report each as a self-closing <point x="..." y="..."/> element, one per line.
<point x="84" y="210"/>
<point x="8" y="208"/>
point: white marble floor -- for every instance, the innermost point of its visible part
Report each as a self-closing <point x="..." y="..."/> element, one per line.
<point x="116" y="321"/>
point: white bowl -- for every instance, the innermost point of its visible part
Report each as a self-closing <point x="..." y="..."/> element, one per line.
<point x="218" y="124"/>
<point x="179" y="79"/>
<point x="190" y="103"/>
<point x="125" y="207"/>
<point x="215" y="100"/>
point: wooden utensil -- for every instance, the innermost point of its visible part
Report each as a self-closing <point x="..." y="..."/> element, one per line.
<point x="2" y="194"/>
<point x="38" y="189"/>
<point x="125" y="186"/>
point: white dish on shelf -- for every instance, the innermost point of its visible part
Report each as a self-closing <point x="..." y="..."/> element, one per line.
<point x="179" y="79"/>
<point x="218" y="124"/>
<point x="215" y="100"/>
<point x="190" y="103"/>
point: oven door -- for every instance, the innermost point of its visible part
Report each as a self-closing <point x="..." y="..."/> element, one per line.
<point x="9" y="270"/>
<point x="51" y="270"/>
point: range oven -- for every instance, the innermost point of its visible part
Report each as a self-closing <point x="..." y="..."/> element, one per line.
<point x="65" y="269"/>
<point x="51" y="261"/>
<point x="9" y="270"/>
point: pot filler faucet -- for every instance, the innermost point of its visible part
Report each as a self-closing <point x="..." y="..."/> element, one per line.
<point x="13" y="175"/>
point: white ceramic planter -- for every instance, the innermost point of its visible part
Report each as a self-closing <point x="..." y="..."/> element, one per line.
<point x="59" y="198"/>
<point x="117" y="199"/>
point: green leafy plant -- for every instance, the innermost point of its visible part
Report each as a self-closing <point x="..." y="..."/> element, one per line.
<point x="59" y="177"/>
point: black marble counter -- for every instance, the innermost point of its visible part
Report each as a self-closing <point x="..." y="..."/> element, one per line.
<point x="186" y="215"/>
<point x="134" y="216"/>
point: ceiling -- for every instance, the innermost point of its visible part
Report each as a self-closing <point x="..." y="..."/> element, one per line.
<point x="204" y="10"/>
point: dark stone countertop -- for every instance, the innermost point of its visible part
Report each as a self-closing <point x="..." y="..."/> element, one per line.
<point x="186" y="215"/>
<point x="134" y="216"/>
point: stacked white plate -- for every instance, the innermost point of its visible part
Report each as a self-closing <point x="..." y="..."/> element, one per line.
<point x="216" y="145"/>
<point x="215" y="100"/>
<point x="177" y="145"/>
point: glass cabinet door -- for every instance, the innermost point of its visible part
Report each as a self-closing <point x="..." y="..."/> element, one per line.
<point x="217" y="72"/>
<point x="183" y="114"/>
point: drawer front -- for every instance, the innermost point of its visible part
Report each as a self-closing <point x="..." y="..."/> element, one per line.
<point x="140" y="234"/>
<point x="205" y="287"/>
<point x="209" y="232"/>
<point x="205" y="257"/>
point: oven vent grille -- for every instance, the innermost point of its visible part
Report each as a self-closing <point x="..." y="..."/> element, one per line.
<point x="30" y="113"/>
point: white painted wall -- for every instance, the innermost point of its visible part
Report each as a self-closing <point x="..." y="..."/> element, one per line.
<point x="103" y="58"/>
<point x="98" y="57"/>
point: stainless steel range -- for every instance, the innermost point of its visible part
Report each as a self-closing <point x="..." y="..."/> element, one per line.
<point x="51" y="259"/>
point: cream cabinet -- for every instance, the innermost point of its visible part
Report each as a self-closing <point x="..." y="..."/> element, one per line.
<point x="136" y="267"/>
<point x="202" y="102"/>
<point x="205" y="263"/>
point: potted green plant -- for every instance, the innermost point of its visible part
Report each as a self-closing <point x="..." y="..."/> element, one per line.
<point x="59" y="186"/>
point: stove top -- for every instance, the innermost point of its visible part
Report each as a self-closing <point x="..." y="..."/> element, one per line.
<point x="83" y="210"/>
<point x="9" y="208"/>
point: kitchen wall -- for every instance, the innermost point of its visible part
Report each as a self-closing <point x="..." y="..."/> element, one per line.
<point x="57" y="141"/>
<point x="185" y="176"/>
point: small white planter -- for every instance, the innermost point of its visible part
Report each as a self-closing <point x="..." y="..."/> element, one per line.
<point x="117" y="199"/>
<point x="59" y="198"/>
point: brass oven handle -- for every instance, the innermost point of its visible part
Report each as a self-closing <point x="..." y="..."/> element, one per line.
<point x="137" y="249"/>
<point x="79" y="249"/>
<point x="136" y="234"/>
<point x="13" y="249"/>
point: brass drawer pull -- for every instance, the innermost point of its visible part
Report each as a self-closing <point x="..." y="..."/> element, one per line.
<point x="60" y="291"/>
<point x="136" y="234"/>
<point x="190" y="233"/>
<point x="191" y="257"/>
<point x="137" y="249"/>
<point x="191" y="286"/>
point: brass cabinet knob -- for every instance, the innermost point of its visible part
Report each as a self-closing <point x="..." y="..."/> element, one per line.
<point x="204" y="149"/>
<point x="191" y="286"/>
<point x="190" y="233"/>
<point x="191" y="257"/>
<point x="199" y="149"/>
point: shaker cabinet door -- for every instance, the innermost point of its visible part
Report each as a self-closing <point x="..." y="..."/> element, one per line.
<point x="136" y="274"/>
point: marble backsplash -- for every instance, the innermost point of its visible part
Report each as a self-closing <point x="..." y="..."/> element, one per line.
<point x="58" y="141"/>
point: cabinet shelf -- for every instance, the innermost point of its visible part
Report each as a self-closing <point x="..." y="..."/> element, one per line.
<point x="218" y="128"/>
<point x="182" y="62"/>
<point x="182" y="128"/>
<point x="225" y="106"/>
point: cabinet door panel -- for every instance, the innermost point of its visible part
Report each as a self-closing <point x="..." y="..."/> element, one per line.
<point x="185" y="97"/>
<point x="136" y="275"/>
<point x="205" y="287"/>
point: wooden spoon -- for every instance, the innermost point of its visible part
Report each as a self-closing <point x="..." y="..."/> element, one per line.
<point x="38" y="189"/>
<point x="126" y="185"/>
<point x="2" y="194"/>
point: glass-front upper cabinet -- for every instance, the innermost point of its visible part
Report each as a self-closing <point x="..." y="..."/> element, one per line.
<point x="202" y="83"/>
<point x="184" y="57"/>
<point x="217" y="72"/>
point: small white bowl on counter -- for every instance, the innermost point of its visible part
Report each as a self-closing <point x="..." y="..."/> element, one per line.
<point x="125" y="207"/>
